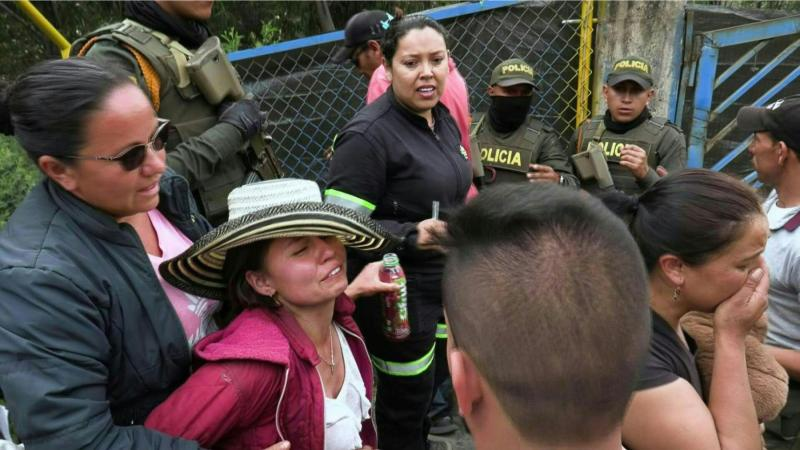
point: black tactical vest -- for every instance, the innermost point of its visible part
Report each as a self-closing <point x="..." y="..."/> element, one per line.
<point x="647" y="136"/>
<point x="506" y="159"/>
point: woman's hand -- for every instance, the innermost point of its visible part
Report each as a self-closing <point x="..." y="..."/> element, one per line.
<point x="736" y="316"/>
<point x="284" y="445"/>
<point x="368" y="282"/>
<point x="427" y="232"/>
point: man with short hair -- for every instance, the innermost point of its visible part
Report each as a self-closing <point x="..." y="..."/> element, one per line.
<point x="634" y="142"/>
<point x="775" y="152"/>
<point x="362" y="41"/>
<point x="513" y="145"/>
<point x="546" y="297"/>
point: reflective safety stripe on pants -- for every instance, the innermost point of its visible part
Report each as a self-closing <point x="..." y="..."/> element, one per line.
<point x="404" y="369"/>
<point x="441" y="331"/>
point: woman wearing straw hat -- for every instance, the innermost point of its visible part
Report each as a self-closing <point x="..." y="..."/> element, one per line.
<point x="393" y="161"/>
<point x="292" y="364"/>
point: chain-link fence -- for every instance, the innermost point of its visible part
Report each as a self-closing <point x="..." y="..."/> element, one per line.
<point x="309" y="99"/>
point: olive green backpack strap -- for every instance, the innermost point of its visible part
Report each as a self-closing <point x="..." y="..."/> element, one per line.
<point x="656" y="126"/>
<point x="535" y="132"/>
<point x="475" y="148"/>
<point x="157" y="55"/>
<point x="596" y="135"/>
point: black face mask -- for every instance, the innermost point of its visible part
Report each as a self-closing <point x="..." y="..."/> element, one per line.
<point x="507" y="113"/>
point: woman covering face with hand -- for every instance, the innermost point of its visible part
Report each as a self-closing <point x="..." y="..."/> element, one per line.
<point x="391" y="162"/>
<point x="702" y="235"/>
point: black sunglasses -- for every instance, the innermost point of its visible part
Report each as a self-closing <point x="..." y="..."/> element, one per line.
<point x="133" y="157"/>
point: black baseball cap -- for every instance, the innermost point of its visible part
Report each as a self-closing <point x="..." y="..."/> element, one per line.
<point x="362" y="27"/>
<point x="781" y="118"/>
<point x="631" y="68"/>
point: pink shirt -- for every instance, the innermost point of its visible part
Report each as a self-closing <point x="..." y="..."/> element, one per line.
<point x="454" y="97"/>
<point x="195" y="313"/>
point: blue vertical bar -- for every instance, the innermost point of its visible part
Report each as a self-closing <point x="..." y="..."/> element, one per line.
<point x="677" y="59"/>
<point x="703" y="94"/>
<point x="686" y="75"/>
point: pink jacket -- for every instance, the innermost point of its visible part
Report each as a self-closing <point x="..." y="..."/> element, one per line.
<point x="258" y="385"/>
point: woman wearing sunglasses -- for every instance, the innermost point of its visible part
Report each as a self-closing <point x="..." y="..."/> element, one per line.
<point x="91" y="339"/>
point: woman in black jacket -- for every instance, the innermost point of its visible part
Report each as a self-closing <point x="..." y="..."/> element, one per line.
<point x="90" y="342"/>
<point x="392" y="161"/>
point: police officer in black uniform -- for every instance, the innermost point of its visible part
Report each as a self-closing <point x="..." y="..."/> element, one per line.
<point x="634" y="142"/>
<point x="513" y="145"/>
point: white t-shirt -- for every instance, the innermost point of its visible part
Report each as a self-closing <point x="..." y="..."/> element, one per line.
<point x="783" y="259"/>
<point x="344" y="414"/>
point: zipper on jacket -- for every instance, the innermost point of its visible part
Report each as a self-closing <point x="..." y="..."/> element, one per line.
<point x="278" y="408"/>
<point x="449" y="158"/>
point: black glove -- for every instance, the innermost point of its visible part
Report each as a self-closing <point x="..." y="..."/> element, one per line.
<point x="244" y="115"/>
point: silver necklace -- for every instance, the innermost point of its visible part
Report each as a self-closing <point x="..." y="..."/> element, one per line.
<point x="332" y="363"/>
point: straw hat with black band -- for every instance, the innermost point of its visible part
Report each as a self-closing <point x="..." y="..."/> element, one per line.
<point x="268" y="210"/>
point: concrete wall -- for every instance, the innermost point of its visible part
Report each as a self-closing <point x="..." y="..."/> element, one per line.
<point x="650" y="29"/>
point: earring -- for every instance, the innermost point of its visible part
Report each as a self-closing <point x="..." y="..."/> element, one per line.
<point x="676" y="293"/>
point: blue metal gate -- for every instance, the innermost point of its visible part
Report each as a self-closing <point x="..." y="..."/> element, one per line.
<point x="714" y="141"/>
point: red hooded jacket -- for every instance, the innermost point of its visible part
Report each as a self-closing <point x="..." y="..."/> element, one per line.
<point x="259" y="386"/>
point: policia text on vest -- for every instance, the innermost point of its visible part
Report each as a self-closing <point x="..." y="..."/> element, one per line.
<point x="663" y="142"/>
<point x="210" y="154"/>
<point x="508" y="157"/>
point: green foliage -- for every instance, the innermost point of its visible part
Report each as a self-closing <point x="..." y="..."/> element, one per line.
<point x="241" y="22"/>
<point x="269" y="34"/>
<point x="230" y="39"/>
<point x="19" y="176"/>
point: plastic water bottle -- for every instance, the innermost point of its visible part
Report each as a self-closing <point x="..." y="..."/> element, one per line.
<point x="395" y="304"/>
